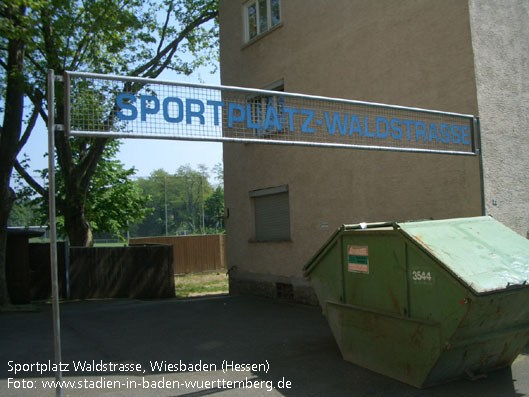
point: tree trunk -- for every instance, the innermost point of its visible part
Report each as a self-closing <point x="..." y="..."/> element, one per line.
<point x="7" y="197"/>
<point x="10" y="138"/>
<point x="77" y="227"/>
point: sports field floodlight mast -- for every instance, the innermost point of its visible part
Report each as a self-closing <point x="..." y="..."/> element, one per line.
<point x="112" y="106"/>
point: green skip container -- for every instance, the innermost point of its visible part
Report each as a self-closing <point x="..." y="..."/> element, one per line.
<point x="425" y="302"/>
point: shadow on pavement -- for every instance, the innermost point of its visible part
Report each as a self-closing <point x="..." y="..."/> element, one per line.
<point x="294" y="341"/>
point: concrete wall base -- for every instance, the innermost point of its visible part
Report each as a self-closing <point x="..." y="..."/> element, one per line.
<point x="286" y="288"/>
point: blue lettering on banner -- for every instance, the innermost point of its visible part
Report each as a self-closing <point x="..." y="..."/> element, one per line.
<point x="231" y="114"/>
<point x="198" y="112"/>
<point x="180" y="106"/>
<point x="355" y="126"/>
<point x="336" y="122"/>
<point x="433" y="133"/>
<point x="456" y="138"/>
<point x="271" y="119"/>
<point x="291" y="112"/>
<point x="280" y="117"/>
<point x="216" y="106"/>
<point x="396" y="132"/>
<point x="145" y="110"/>
<point x="366" y="128"/>
<point x="120" y="101"/>
<point x="445" y="133"/>
<point x="466" y="135"/>
<point x="305" y="126"/>
<point x="249" y="122"/>
<point x="408" y="124"/>
<point x="378" y="122"/>
<point x="420" y="130"/>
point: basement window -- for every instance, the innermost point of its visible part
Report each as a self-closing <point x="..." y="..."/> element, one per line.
<point x="284" y="291"/>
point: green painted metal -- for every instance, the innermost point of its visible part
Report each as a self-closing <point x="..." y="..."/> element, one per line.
<point x="481" y="252"/>
<point x="425" y="302"/>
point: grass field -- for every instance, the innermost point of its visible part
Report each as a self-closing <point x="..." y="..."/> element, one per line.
<point x="198" y="284"/>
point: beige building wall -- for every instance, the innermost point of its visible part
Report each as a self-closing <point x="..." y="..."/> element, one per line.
<point x="500" y="36"/>
<point x="413" y="53"/>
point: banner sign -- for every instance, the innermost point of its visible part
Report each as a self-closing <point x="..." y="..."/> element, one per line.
<point x="115" y="106"/>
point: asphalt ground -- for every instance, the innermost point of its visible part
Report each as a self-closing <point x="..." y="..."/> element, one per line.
<point x="237" y="346"/>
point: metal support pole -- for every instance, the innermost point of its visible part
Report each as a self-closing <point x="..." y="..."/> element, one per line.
<point x="203" y="222"/>
<point x="165" y="195"/>
<point x="67" y="266"/>
<point x="479" y="151"/>
<point x="53" y="229"/>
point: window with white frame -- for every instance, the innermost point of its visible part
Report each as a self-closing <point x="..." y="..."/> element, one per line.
<point x="260" y="16"/>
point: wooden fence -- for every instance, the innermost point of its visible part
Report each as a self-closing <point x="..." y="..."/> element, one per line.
<point x="40" y="269"/>
<point x="142" y="272"/>
<point x="192" y="254"/>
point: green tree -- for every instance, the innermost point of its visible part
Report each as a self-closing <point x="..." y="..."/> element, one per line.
<point x="215" y="203"/>
<point x="157" y="186"/>
<point x="181" y="193"/>
<point x="107" y="36"/>
<point x="192" y="184"/>
<point x="113" y="201"/>
<point x="24" y="213"/>
<point x="116" y="36"/>
<point x="215" y="210"/>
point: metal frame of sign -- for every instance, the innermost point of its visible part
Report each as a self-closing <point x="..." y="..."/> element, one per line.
<point x="130" y="107"/>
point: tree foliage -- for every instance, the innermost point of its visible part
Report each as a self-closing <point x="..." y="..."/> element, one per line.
<point x="131" y="37"/>
<point x="214" y="210"/>
<point x="128" y="37"/>
<point x="24" y="213"/>
<point x="113" y="201"/>
<point x="183" y="194"/>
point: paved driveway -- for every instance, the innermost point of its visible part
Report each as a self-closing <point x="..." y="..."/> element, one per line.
<point x="200" y="347"/>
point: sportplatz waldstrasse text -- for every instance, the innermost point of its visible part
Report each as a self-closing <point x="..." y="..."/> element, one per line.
<point x="154" y="367"/>
<point x="280" y="117"/>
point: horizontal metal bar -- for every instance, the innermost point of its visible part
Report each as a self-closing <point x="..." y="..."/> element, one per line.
<point x="367" y="226"/>
<point x="118" y="135"/>
<point x="380" y="313"/>
<point x="258" y="91"/>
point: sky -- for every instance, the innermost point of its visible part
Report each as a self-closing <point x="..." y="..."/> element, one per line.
<point x="146" y="155"/>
